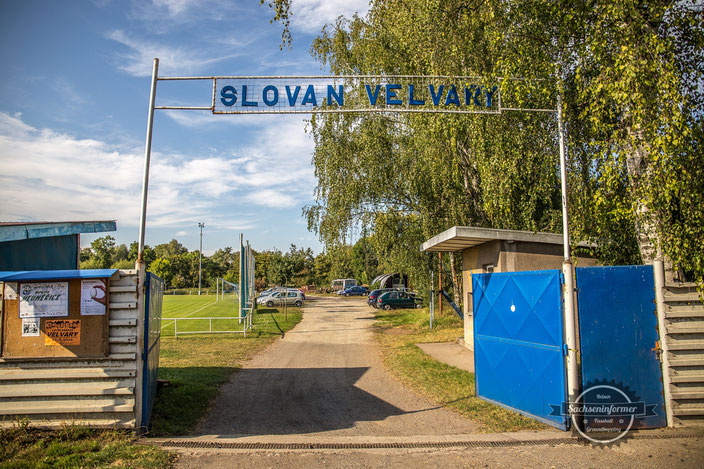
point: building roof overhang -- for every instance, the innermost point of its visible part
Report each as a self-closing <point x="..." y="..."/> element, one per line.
<point x="458" y="238"/>
<point x="14" y="231"/>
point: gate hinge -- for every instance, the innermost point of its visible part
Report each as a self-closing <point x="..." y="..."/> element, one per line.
<point x="562" y="278"/>
<point x="565" y="350"/>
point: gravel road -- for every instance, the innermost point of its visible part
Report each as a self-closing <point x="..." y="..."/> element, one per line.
<point x="324" y="383"/>
<point x="325" y="378"/>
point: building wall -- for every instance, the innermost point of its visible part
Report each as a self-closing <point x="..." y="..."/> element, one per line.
<point x="50" y="253"/>
<point x="96" y="392"/>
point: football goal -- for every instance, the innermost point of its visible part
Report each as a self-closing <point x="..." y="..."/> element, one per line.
<point x="223" y="287"/>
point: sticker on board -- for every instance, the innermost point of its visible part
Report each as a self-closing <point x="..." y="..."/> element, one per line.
<point x="30" y="327"/>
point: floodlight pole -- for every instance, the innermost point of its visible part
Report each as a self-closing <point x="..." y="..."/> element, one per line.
<point x="200" y="255"/>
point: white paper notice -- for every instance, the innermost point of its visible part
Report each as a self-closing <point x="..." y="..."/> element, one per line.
<point x="93" y="297"/>
<point x="10" y="291"/>
<point x="43" y="300"/>
<point x="30" y="327"/>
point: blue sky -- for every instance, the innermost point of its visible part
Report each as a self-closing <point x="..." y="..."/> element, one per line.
<point x="74" y="92"/>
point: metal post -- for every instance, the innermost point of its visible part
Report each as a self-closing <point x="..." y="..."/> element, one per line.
<point x="431" y="304"/>
<point x="200" y="255"/>
<point x="659" y="276"/>
<point x="147" y="157"/>
<point x="241" y="285"/>
<point x="570" y="316"/>
<point x="440" y="282"/>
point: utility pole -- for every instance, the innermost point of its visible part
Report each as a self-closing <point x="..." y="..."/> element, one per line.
<point x="200" y="255"/>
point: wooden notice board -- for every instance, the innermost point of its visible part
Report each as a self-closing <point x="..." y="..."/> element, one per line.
<point x="82" y="333"/>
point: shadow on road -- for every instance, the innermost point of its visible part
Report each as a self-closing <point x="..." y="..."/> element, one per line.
<point x="280" y="401"/>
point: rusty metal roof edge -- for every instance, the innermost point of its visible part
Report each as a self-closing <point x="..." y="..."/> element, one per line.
<point x="14" y="231"/>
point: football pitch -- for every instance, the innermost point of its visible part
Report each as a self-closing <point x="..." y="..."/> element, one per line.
<point x="199" y="306"/>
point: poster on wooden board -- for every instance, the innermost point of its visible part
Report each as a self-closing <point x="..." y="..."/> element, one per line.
<point x="56" y="319"/>
<point x="45" y="299"/>
<point x="93" y="297"/>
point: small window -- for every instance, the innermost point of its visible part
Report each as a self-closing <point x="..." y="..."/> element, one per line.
<point x="488" y="268"/>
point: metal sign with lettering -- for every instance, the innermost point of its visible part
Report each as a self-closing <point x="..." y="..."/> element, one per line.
<point x="305" y="95"/>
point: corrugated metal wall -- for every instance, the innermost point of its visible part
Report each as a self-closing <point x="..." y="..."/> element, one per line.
<point x="684" y="321"/>
<point x="98" y="392"/>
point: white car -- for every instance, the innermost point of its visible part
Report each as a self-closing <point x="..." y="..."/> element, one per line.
<point x="292" y="297"/>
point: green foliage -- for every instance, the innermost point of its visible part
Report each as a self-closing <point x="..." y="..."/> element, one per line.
<point x="630" y="76"/>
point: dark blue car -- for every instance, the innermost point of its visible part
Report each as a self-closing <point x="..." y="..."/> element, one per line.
<point x="357" y="290"/>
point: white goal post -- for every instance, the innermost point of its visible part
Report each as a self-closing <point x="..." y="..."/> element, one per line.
<point x="223" y="287"/>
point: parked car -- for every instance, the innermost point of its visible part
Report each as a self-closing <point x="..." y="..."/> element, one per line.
<point x="398" y="299"/>
<point x="291" y="297"/>
<point x="271" y="291"/>
<point x="356" y="290"/>
<point x="374" y="295"/>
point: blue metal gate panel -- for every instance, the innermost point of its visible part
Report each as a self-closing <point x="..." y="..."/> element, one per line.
<point x="618" y="332"/>
<point x="154" y="293"/>
<point x="518" y="351"/>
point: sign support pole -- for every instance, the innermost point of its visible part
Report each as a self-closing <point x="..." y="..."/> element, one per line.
<point x="147" y="157"/>
<point x="570" y="317"/>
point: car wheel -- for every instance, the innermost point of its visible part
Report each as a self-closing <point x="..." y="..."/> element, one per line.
<point x="347" y="294"/>
<point x="299" y="303"/>
<point x="270" y="304"/>
<point x="387" y="307"/>
<point x="419" y="306"/>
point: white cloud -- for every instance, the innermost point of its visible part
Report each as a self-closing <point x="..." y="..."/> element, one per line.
<point x="49" y="175"/>
<point x="139" y="60"/>
<point x="311" y="15"/>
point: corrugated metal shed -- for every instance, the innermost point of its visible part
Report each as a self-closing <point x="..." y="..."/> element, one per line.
<point x="93" y="391"/>
<point x="45" y="245"/>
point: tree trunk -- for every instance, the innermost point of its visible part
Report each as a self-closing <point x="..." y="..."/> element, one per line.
<point x="646" y="222"/>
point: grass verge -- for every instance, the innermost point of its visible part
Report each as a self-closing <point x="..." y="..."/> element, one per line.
<point x="196" y="366"/>
<point x="398" y="332"/>
<point x="22" y="446"/>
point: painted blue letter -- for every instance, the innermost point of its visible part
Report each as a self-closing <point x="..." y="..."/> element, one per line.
<point x="372" y="96"/>
<point x="391" y="93"/>
<point x="489" y="95"/>
<point x="339" y="96"/>
<point x="452" y="97"/>
<point x="292" y="98"/>
<point x="265" y="95"/>
<point x="228" y="95"/>
<point x="244" y="98"/>
<point x="468" y="95"/>
<point x="309" y="97"/>
<point x="435" y="97"/>
<point x="412" y="100"/>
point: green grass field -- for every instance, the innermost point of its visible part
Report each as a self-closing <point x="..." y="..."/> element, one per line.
<point x="195" y="306"/>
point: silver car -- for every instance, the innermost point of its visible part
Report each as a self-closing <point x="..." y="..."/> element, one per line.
<point x="292" y="297"/>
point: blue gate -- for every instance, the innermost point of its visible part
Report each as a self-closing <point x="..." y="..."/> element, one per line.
<point x="619" y="335"/>
<point x="518" y="342"/>
<point x="154" y="293"/>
